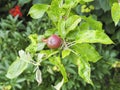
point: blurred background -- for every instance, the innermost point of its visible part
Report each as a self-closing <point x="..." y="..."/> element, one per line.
<point x="14" y="32"/>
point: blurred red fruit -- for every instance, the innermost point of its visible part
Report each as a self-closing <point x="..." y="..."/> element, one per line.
<point x="16" y="11"/>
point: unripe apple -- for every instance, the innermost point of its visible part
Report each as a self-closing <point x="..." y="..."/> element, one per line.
<point x="53" y="42"/>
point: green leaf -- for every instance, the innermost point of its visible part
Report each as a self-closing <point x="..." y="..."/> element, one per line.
<point x="41" y="1"/>
<point x="65" y="53"/>
<point x="74" y="58"/>
<point x="70" y="3"/>
<point x="32" y="48"/>
<point x="112" y="1"/>
<point x="18" y="66"/>
<point x="38" y="10"/>
<point x="22" y="2"/>
<point x="84" y="26"/>
<point x="33" y="38"/>
<point x="97" y="6"/>
<point x="49" y="32"/>
<point x="55" y="11"/>
<point x="93" y="36"/>
<point x="93" y="24"/>
<point x="39" y="58"/>
<point x="16" y="69"/>
<point x="84" y="70"/>
<point x="104" y="5"/>
<point x="71" y="36"/>
<point x="115" y="11"/>
<point x="72" y="22"/>
<point x="83" y="1"/>
<point x="57" y="61"/>
<point x="40" y="44"/>
<point x="61" y="28"/>
<point x="36" y="43"/>
<point x="88" y="0"/>
<point x="48" y="53"/>
<point x="87" y="52"/>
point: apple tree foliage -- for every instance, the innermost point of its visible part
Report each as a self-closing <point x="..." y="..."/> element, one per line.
<point x="78" y="32"/>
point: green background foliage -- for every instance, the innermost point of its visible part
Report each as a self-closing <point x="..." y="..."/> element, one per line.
<point x="16" y="33"/>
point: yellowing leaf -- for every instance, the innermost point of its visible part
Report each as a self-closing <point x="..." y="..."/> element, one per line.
<point x="65" y="53"/>
<point x="84" y="71"/>
<point x="93" y="36"/>
<point x="115" y="11"/>
<point x="116" y="64"/>
<point x="88" y="0"/>
<point x="72" y="22"/>
<point x="87" y="52"/>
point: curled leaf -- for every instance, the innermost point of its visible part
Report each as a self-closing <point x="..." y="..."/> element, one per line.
<point x="59" y="85"/>
<point x="38" y="76"/>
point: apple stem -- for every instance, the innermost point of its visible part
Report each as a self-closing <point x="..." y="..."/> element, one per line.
<point x="44" y="40"/>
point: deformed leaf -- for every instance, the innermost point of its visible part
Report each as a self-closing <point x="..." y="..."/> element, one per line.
<point x="84" y="70"/>
<point x="38" y="76"/>
<point x="36" y="43"/>
<point x="33" y="38"/>
<point x="38" y="10"/>
<point x="56" y="61"/>
<point x="59" y="85"/>
<point x="32" y="48"/>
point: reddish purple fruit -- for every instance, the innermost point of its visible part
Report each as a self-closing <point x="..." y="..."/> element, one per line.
<point x="53" y="41"/>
